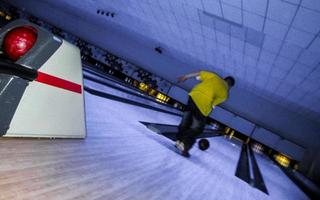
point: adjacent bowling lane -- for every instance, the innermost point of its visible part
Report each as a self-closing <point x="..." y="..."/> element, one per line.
<point x="278" y="184"/>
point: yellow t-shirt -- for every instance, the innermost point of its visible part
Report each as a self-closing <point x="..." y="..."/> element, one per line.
<point x="212" y="91"/>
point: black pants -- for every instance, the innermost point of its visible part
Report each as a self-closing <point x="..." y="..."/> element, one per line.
<point x="191" y="125"/>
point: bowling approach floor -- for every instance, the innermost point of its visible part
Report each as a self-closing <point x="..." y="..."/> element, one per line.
<point x="122" y="159"/>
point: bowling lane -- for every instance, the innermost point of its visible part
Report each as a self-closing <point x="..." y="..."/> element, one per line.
<point x="278" y="184"/>
<point x="165" y="174"/>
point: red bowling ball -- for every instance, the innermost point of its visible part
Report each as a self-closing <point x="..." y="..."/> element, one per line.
<point x="19" y="41"/>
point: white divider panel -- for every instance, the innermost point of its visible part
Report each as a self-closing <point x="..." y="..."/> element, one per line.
<point x="49" y="111"/>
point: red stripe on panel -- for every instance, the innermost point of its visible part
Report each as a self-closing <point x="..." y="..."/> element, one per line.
<point x="58" y="82"/>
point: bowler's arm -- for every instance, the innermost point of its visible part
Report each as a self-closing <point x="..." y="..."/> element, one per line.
<point x="187" y="76"/>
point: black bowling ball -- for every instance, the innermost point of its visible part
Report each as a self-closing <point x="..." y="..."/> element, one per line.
<point x="203" y="144"/>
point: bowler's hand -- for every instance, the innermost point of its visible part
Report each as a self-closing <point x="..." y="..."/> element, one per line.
<point x="182" y="79"/>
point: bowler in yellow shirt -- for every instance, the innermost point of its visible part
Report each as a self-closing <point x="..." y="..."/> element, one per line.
<point x="211" y="91"/>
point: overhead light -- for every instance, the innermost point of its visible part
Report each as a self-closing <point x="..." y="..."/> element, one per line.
<point x="106" y="13"/>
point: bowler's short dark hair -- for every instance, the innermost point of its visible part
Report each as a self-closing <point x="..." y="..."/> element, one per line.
<point x="230" y="80"/>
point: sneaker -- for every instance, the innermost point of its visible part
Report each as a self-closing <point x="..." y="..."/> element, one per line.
<point x="177" y="143"/>
<point x="180" y="146"/>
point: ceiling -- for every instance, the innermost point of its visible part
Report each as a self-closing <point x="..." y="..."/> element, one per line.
<point x="271" y="47"/>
